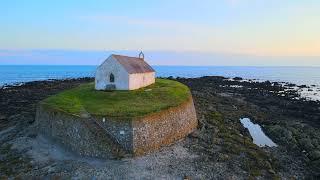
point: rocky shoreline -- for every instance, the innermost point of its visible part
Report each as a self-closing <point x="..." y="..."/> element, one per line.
<point x="221" y="148"/>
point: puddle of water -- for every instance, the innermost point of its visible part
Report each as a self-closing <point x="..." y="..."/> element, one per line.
<point x="258" y="136"/>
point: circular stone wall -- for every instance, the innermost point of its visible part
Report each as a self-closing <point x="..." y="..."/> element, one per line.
<point x="163" y="128"/>
<point x="84" y="120"/>
<point x="78" y="134"/>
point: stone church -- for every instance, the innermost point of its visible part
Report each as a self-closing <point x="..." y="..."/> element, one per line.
<point x="124" y="73"/>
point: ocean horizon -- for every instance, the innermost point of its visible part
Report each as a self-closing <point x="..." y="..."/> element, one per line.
<point x="303" y="75"/>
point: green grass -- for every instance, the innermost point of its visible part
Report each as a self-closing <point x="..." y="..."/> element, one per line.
<point x="85" y="99"/>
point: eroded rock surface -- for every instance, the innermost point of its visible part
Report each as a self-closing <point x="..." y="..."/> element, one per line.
<point x="220" y="149"/>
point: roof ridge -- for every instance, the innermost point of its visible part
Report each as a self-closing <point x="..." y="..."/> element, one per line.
<point x="133" y="64"/>
<point x="125" y="56"/>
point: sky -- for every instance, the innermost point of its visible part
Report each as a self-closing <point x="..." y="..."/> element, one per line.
<point x="185" y="32"/>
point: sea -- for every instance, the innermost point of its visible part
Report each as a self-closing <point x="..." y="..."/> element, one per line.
<point x="13" y="74"/>
<point x="310" y="76"/>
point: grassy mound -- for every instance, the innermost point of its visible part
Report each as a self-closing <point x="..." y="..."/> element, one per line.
<point x="85" y="99"/>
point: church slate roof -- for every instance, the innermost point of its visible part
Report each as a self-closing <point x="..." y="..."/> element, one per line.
<point x="133" y="65"/>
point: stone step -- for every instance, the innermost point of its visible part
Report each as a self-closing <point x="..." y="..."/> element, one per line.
<point x="103" y="136"/>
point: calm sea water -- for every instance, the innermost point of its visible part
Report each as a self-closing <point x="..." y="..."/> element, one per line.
<point x="297" y="75"/>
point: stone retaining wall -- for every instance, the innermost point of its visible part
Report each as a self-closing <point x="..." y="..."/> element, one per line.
<point x="163" y="128"/>
<point x="119" y="129"/>
<point x="102" y="136"/>
<point x="77" y="134"/>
